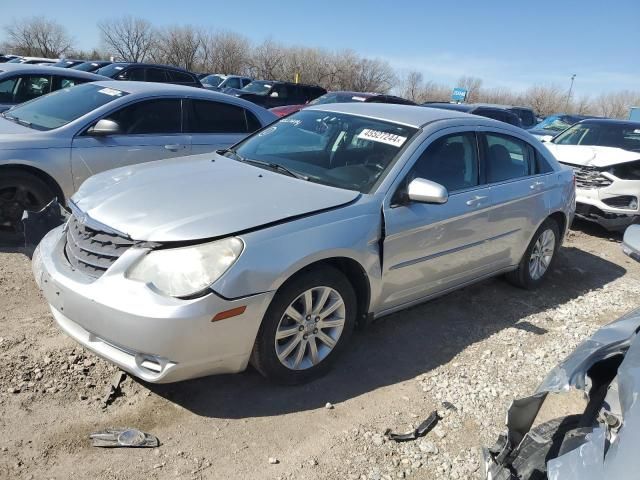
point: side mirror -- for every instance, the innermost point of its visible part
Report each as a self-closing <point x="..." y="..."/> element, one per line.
<point x="104" y="127"/>
<point x="631" y="242"/>
<point x="426" y="191"/>
<point x="274" y="94"/>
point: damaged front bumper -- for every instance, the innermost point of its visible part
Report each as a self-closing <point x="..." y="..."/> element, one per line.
<point x="157" y="338"/>
<point x="608" y="451"/>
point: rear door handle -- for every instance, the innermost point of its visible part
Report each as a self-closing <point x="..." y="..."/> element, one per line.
<point x="173" y="147"/>
<point x="536" y="185"/>
<point x="476" y="200"/>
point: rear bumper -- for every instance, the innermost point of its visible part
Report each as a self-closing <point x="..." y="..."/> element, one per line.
<point x="156" y="338"/>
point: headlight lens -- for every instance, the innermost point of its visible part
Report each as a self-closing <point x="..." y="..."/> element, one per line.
<point x="185" y="271"/>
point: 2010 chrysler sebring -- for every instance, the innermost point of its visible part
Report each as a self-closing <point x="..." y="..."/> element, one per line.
<point x="271" y="251"/>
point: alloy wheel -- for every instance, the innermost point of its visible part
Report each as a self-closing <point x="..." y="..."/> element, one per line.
<point x="310" y="328"/>
<point x="542" y="254"/>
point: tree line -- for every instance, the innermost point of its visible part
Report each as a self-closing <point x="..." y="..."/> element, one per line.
<point x="200" y="49"/>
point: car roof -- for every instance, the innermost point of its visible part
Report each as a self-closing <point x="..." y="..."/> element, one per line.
<point x="156" y="65"/>
<point x="134" y="87"/>
<point x="500" y="106"/>
<point x="410" y="115"/>
<point x="611" y="121"/>
<point x="47" y="70"/>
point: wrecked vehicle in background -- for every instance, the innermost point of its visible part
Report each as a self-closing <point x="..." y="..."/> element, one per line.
<point x="605" y="156"/>
<point x="602" y="441"/>
<point x="272" y="250"/>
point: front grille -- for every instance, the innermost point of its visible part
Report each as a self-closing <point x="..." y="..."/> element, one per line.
<point x="589" y="177"/>
<point x="92" y="251"/>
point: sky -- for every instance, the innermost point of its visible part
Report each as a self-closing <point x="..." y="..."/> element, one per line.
<point x="512" y="44"/>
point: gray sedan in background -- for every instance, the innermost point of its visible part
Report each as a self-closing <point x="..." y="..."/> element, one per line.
<point x="50" y="145"/>
<point x="20" y="83"/>
<point x="272" y="250"/>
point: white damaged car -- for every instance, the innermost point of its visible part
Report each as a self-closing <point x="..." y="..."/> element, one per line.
<point x="605" y="156"/>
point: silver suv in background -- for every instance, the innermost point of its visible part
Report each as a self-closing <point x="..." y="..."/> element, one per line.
<point x="50" y="145"/>
<point x="271" y="251"/>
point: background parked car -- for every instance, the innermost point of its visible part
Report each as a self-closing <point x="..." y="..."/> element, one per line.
<point x="148" y="72"/>
<point x="497" y="113"/>
<point x="554" y="124"/>
<point x="219" y="82"/>
<point x="343" y="97"/>
<point x="21" y="83"/>
<point x="91" y="66"/>
<point x="605" y="157"/>
<point x="67" y="63"/>
<point x="6" y="58"/>
<point x="275" y="94"/>
<point x="33" y="60"/>
<point x="49" y="146"/>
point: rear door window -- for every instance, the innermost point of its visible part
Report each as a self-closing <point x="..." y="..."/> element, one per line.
<point x="181" y="77"/>
<point x="32" y="86"/>
<point x="150" y="117"/>
<point x="156" y="75"/>
<point x="135" y="74"/>
<point x="218" y="117"/>
<point x="66" y="82"/>
<point x="233" y="83"/>
<point x="505" y="158"/>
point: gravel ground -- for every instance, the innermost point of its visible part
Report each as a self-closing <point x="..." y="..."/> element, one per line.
<point x="476" y="349"/>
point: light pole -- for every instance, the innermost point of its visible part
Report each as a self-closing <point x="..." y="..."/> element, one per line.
<point x="566" y="107"/>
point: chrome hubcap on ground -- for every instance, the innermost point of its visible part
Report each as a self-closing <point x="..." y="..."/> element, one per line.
<point x="542" y="254"/>
<point x="310" y="328"/>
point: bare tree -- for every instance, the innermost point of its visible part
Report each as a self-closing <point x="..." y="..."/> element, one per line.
<point x="267" y="60"/>
<point x="130" y="39"/>
<point x="412" y="86"/>
<point x="37" y="37"/>
<point x="225" y="52"/>
<point x="472" y="85"/>
<point x="179" y="46"/>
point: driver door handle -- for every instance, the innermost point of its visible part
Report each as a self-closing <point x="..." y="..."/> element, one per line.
<point x="476" y="200"/>
<point x="536" y="185"/>
<point x="173" y="147"/>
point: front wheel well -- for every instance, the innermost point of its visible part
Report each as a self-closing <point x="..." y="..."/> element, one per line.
<point x="36" y="172"/>
<point x="356" y="275"/>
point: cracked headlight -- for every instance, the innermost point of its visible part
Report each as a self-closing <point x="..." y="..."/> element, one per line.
<point x="186" y="271"/>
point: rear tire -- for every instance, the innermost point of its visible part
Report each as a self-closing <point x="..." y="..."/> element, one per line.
<point x="306" y="327"/>
<point x="19" y="191"/>
<point x="538" y="258"/>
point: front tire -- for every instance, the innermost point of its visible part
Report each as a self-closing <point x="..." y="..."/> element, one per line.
<point x="305" y="328"/>
<point x="538" y="258"/>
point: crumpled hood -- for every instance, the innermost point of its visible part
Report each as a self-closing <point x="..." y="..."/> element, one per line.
<point x="191" y="198"/>
<point x="589" y="155"/>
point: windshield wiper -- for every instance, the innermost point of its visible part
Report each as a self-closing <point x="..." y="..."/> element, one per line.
<point x="271" y="165"/>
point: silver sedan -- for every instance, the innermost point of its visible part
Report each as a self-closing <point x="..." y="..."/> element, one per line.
<point x="50" y="145"/>
<point x="273" y="250"/>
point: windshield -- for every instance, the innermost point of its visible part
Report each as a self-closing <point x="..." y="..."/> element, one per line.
<point x="86" y="66"/>
<point x="111" y="70"/>
<point x="213" y="80"/>
<point x="338" y="97"/>
<point x="555" y="123"/>
<point x="336" y="149"/>
<point x="63" y="106"/>
<point x="618" y="135"/>
<point x="259" y="87"/>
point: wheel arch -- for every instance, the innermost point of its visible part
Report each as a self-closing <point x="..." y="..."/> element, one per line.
<point x="561" y="219"/>
<point x="355" y="274"/>
<point x="36" y="172"/>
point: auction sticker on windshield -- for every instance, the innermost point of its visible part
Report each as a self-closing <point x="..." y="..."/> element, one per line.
<point x="382" y="137"/>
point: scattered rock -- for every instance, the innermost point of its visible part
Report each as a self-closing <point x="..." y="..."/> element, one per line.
<point x="273" y="460"/>
<point x="329" y="406"/>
